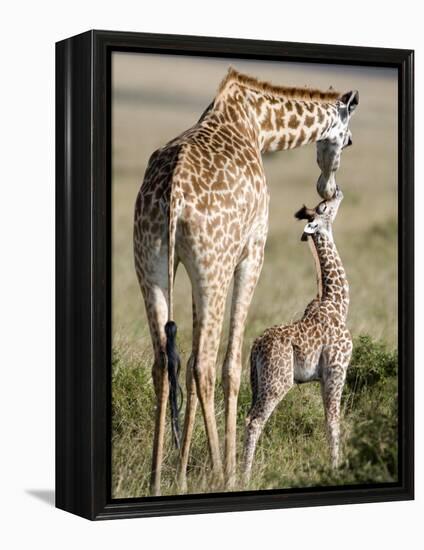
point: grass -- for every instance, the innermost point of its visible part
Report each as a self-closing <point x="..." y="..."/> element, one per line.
<point x="292" y="451"/>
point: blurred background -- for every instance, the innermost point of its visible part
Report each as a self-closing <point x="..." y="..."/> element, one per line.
<point x="155" y="98"/>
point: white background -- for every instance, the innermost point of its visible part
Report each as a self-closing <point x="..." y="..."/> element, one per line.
<point x="28" y="33"/>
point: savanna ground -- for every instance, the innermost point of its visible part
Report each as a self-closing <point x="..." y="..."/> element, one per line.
<point x="154" y="99"/>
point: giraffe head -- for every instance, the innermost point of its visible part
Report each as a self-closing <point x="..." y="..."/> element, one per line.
<point x="336" y="139"/>
<point x="321" y="218"/>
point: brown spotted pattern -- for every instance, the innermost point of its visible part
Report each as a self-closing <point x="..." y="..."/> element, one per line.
<point x="204" y="203"/>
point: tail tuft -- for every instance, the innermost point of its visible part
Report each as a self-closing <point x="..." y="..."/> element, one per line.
<point x="171" y="330"/>
<point x="174" y="364"/>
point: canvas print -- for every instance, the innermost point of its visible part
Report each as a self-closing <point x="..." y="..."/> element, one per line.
<point x="254" y="275"/>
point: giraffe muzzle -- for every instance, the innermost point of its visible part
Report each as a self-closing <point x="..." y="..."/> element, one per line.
<point x="326" y="185"/>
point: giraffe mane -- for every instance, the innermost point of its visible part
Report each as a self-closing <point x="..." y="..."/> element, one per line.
<point x="289" y="92"/>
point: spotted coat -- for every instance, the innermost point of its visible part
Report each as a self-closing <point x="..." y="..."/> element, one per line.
<point x="204" y="203"/>
<point x="318" y="347"/>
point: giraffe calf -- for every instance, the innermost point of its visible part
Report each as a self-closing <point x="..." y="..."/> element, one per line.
<point x="316" y="348"/>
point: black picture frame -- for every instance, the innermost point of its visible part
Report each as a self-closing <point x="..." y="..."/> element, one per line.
<point x="83" y="256"/>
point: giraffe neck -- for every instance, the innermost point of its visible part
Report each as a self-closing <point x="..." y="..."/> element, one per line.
<point x="278" y="121"/>
<point x="332" y="280"/>
<point x="317" y="266"/>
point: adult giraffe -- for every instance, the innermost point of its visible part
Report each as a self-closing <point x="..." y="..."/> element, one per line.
<point x="204" y="203"/>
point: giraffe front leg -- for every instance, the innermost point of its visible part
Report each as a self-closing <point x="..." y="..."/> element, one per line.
<point x="210" y="307"/>
<point x="245" y="279"/>
<point x="205" y="379"/>
<point x="332" y="388"/>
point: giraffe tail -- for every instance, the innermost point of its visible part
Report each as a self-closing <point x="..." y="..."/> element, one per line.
<point x="173" y="359"/>
<point x="174" y="365"/>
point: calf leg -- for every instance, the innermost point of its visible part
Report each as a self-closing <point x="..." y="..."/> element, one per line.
<point x="269" y="392"/>
<point x="332" y="387"/>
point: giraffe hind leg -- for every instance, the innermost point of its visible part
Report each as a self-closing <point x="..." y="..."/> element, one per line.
<point x="190" y="412"/>
<point x="210" y="307"/>
<point x="189" y="418"/>
<point x="157" y="315"/>
<point x="154" y="287"/>
<point x="267" y="392"/>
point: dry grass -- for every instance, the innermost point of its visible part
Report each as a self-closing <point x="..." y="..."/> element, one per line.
<point x="157" y="98"/>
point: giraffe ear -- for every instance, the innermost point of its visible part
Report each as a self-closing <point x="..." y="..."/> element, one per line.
<point x="351" y="100"/>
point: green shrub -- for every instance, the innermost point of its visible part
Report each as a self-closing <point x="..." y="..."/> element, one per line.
<point x="371" y="362"/>
<point x="374" y="452"/>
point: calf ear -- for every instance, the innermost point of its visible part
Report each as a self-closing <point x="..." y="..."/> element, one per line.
<point x="351" y="100"/>
<point x="305" y="213"/>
